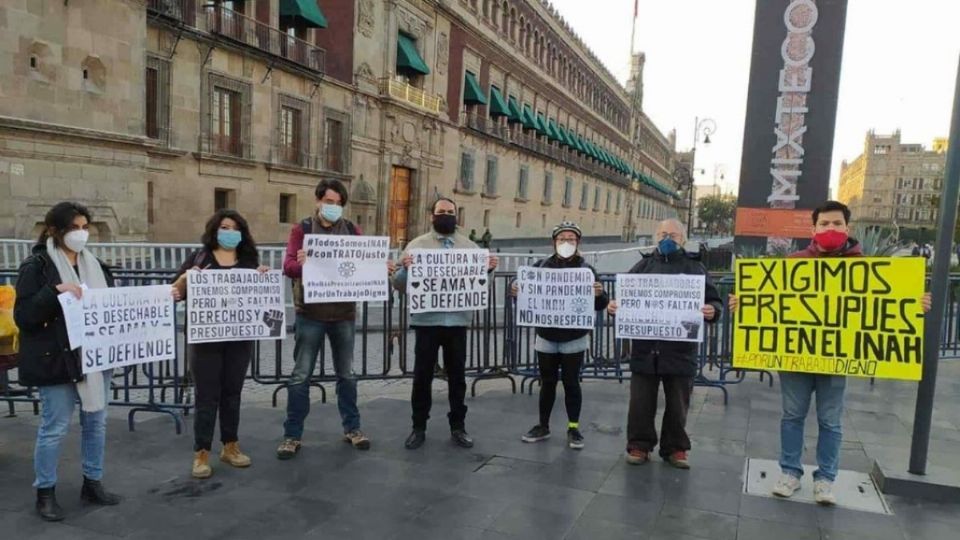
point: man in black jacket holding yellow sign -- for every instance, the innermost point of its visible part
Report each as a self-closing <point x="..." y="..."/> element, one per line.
<point x="673" y="363"/>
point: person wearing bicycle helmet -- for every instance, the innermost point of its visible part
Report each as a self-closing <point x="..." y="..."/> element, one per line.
<point x="562" y="348"/>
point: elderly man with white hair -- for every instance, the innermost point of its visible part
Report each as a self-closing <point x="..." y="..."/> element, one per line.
<point x="671" y="363"/>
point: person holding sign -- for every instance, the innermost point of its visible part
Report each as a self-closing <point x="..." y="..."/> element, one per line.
<point x="60" y="264"/>
<point x="446" y="329"/>
<point x="334" y="320"/>
<point x="219" y="369"/>
<point x="560" y="347"/>
<point x="831" y="238"/>
<point x="671" y="363"/>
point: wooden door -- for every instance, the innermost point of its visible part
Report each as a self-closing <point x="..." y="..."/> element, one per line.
<point x="399" y="206"/>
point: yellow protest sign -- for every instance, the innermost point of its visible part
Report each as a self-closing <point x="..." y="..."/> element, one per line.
<point x="833" y="316"/>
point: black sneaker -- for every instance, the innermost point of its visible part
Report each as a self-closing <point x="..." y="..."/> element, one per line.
<point x="537" y="434"/>
<point x="574" y="439"/>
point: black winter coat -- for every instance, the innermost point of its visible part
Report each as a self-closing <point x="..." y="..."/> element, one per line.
<point x="676" y="358"/>
<point x="563" y="335"/>
<point x="45" y="358"/>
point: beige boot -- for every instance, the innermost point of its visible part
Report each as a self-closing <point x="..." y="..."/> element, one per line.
<point x="232" y="455"/>
<point x="201" y="467"/>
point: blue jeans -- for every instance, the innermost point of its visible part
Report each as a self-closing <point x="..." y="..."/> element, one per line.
<point x="309" y="336"/>
<point x="796" y="389"/>
<point x="57" y="404"/>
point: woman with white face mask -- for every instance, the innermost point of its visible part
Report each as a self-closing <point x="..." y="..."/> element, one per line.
<point x="60" y="264"/>
<point x="561" y="348"/>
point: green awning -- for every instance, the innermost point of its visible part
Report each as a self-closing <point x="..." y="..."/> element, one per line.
<point x="498" y="106"/>
<point x="541" y="124"/>
<point x="529" y="121"/>
<point x="472" y="93"/>
<point x="515" y="115"/>
<point x="564" y="136"/>
<point x="581" y="147"/>
<point x="408" y="57"/>
<point x="302" y="12"/>
<point x="553" y="131"/>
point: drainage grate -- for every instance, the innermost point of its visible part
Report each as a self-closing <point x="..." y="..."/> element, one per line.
<point x="854" y="490"/>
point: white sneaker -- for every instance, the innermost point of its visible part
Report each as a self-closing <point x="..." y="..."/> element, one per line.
<point x="823" y="493"/>
<point x="786" y="486"/>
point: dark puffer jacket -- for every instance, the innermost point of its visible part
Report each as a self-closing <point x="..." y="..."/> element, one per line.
<point x="676" y="358"/>
<point x="563" y="335"/>
<point x="45" y="358"/>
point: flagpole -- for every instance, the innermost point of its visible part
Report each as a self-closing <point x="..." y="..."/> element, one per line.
<point x="633" y="30"/>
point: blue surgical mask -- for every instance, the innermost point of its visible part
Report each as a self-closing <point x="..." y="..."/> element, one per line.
<point x="667" y="246"/>
<point x="331" y="212"/>
<point x="228" y="239"/>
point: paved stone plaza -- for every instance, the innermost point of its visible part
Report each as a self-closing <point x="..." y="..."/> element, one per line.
<point x="502" y="488"/>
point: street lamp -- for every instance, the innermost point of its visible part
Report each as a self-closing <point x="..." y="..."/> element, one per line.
<point x="702" y="127"/>
<point x="684" y="179"/>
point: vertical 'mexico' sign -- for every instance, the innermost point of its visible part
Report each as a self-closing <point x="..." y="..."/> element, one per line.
<point x="791" y="113"/>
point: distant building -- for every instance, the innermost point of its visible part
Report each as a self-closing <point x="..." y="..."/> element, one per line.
<point x="894" y="184"/>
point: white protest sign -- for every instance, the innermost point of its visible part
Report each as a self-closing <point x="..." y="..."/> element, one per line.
<point x="73" y="317"/>
<point x="235" y="305"/>
<point x="447" y="280"/>
<point x="555" y="298"/>
<point x="345" y="268"/>
<point x="663" y="307"/>
<point x="125" y="326"/>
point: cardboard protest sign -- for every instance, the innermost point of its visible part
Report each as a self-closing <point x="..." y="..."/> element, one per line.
<point x="833" y="316"/>
<point x="662" y="307"/>
<point x="555" y="298"/>
<point x="235" y="305"/>
<point x="125" y="326"/>
<point x="447" y="280"/>
<point x="345" y="268"/>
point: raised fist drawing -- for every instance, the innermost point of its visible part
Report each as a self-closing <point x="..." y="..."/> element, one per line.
<point x="274" y="320"/>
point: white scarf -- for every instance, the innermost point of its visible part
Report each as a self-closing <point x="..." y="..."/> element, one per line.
<point x="92" y="389"/>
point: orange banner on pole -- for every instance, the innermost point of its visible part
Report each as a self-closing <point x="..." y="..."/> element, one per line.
<point x="773" y="222"/>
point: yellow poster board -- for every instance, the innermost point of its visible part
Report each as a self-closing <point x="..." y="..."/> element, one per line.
<point x="853" y="316"/>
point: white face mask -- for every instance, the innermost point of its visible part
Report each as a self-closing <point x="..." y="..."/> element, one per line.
<point x="566" y="250"/>
<point x="76" y="240"/>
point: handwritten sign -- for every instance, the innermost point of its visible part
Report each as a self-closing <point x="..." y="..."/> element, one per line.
<point x="345" y="268"/>
<point x="126" y="326"/>
<point x="834" y="316"/>
<point x="555" y="298"/>
<point x="664" y="307"/>
<point x="235" y="305"/>
<point x="447" y="280"/>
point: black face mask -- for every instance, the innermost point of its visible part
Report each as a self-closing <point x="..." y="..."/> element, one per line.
<point x="444" y="223"/>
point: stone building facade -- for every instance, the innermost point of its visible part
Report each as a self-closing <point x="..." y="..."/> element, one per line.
<point x="894" y="184"/>
<point x="157" y="112"/>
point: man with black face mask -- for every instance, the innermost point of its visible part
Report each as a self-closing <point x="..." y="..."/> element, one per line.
<point x="440" y="329"/>
<point x="671" y="363"/>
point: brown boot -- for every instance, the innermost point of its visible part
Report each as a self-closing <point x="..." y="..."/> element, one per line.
<point x="201" y="467"/>
<point x="232" y="455"/>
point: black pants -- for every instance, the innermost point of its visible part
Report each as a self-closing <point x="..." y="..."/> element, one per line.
<point x="219" y="370"/>
<point x="454" y="342"/>
<point x="550" y="365"/>
<point x="641" y="428"/>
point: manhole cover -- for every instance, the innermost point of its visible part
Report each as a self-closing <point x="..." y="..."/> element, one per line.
<point x="853" y="490"/>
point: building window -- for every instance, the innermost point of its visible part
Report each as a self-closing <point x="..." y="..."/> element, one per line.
<point x="466" y="172"/>
<point x="543" y="221"/>
<point x="490" y="183"/>
<point x="584" y="196"/>
<point x="609" y="201"/>
<point x="518" y="218"/>
<point x="288" y="207"/>
<point x="880" y="150"/>
<point x="157" y="94"/>
<point x="462" y="217"/>
<point x="486" y="218"/>
<point x="336" y="141"/>
<point x="522" y="182"/>
<point x="290" y="123"/>
<point x="567" y="192"/>
<point x="223" y="199"/>
<point x="228" y="113"/>
<point x="150" y="199"/>
<point x="547" y="186"/>
<point x="619" y="201"/>
<point x="596" y="199"/>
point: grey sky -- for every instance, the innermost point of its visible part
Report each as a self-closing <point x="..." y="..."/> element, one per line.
<point x="899" y="68"/>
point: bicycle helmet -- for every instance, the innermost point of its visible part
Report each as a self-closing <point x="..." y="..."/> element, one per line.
<point x="567" y="226"/>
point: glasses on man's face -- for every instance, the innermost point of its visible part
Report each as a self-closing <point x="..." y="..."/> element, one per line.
<point x="445" y="213"/>
<point x="673" y="236"/>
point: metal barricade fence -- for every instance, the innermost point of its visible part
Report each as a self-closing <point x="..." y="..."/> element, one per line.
<point x="496" y="348"/>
